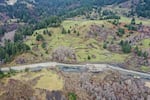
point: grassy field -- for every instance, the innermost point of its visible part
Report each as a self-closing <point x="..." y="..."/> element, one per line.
<point x="128" y="20"/>
<point x="145" y="68"/>
<point x="77" y="42"/>
<point x="46" y="79"/>
<point x="146" y="43"/>
<point x="121" y="11"/>
<point x="50" y="81"/>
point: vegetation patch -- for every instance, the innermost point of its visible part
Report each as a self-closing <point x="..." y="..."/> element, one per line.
<point x="46" y="79"/>
<point x="138" y="21"/>
<point x="72" y="96"/>
<point x="145" y="68"/>
<point x="86" y="50"/>
<point x="146" y="43"/>
<point x="49" y="81"/>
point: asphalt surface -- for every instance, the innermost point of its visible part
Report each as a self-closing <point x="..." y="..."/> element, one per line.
<point x="90" y="67"/>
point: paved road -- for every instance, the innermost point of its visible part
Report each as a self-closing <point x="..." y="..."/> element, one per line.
<point x="31" y="66"/>
<point x="90" y="67"/>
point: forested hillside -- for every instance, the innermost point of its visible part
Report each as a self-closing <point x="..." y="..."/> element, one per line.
<point x="30" y="10"/>
<point x="143" y="8"/>
<point x="33" y="10"/>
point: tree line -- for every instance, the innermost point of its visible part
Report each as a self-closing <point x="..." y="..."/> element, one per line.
<point x="143" y="8"/>
<point x="10" y="49"/>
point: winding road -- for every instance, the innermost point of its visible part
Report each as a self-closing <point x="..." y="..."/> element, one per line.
<point x="90" y="67"/>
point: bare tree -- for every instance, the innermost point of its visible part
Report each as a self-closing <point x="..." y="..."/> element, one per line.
<point x="64" y="54"/>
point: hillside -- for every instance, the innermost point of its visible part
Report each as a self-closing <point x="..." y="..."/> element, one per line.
<point x="93" y="31"/>
<point x="57" y="84"/>
<point x="74" y="49"/>
<point x="79" y="41"/>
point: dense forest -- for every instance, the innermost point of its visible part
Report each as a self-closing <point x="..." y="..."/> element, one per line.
<point x="65" y="8"/>
<point x="143" y="8"/>
<point x="40" y="8"/>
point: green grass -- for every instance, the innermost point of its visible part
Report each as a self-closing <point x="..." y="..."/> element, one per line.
<point x="145" y="68"/>
<point x="124" y="19"/>
<point x="72" y="96"/>
<point x="50" y="81"/>
<point x="79" y="43"/>
<point x="101" y="55"/>
<point x="83" y="24"/>
<point x="47" y="79"/>
<point x="146" y="43"/>
<point x="137" y="20"/>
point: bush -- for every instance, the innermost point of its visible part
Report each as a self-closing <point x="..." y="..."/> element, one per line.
<point x="145" y="54"/>
<point x="39" y="37"/>
<point x="115" y="22"/>
<point x="2" y="75"/>
<point x="74" y="31"/>
<point x="132" y="27"/>
<point x="89" y="58"/>
<point x="69" y="31"/>
<point x="26" y="69"/>
<point x="105" y="45"/>
<point x="120" y="32"/>
<point x="63" y="31"/>
<point x="126" y="47"/>
<point x="78" y="34"/>
<point x="43" y="45"/>
<point x="133" y="21"/>
<point x="49" y="33"/>
<point x="140" y="53"/>
<point x="72" y="96"/>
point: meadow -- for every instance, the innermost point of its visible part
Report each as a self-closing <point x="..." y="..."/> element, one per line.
<point x="76" y="40"/>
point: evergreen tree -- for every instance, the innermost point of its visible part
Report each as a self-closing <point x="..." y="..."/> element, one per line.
<point x="133" y="21"/>
<point x="126" y="48"/>
<point x="105" y="45"/>
<point x="39" y="37"/>
<point x="63" y="31"/>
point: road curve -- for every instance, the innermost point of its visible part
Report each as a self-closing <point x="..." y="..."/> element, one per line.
<point x="90" y="67"/>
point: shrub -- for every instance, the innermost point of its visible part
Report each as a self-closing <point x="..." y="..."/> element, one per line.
<point x="89" y="58"/>
<point x="39" y="37"/>
<point x="63" y="31"/>
<point x="69" y="31"/>
<point x="105" y="45"/>
<point x="2" y="75"/>
<point x="126" y="47"/>
<point x="120" y="32"/>
<point x="43" y="45"/>
<point x="26" y="69"/>
<point x="72" y="96"/>
<point x="78" y="34"/>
